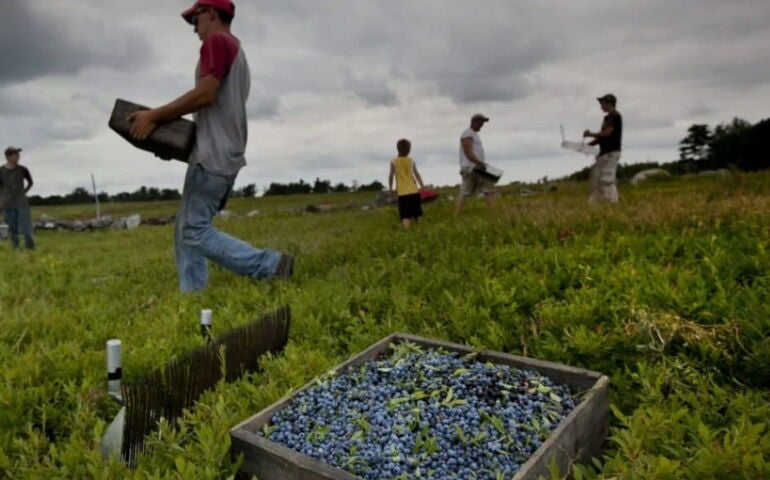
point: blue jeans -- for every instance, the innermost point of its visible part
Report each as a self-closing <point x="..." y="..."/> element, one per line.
<point x="19" y="221"/>
<point x="196" y="239"/>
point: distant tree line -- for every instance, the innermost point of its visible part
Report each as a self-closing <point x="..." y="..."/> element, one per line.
<point x="148" y="194"/>
<point x="320" y="186"/>
<point x="738" y="144"/>
<point x="81" y="195"/>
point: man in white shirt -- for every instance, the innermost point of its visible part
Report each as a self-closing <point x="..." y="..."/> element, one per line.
<point x="472" y="157"/>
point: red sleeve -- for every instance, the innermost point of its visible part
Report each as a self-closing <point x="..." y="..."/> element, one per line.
<point x="218" y="53"/>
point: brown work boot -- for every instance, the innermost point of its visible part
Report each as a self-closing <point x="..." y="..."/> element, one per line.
<point x="285" y="268"/>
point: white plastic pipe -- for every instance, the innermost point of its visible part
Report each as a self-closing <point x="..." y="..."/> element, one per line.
<point x="206" y="322"/>
<point x="114" y="367"/>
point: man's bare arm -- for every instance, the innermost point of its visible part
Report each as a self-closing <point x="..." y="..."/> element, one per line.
<point x="203" y="95"/>
<point x="418" y="177"/>
<point x="605" y="132"/>
<point x="467" y="144"/>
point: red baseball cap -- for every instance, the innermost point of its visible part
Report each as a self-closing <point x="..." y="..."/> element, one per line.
<point x="225" y="5"/>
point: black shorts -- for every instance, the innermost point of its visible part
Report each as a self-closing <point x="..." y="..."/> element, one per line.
<point x="409" y="206"/>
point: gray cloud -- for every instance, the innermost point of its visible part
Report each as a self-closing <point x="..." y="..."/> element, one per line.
<point x="37" y="40"/>
<point x="372" y="89"/>
<point x="335" y="83"/>
<point x="13" y="104"/>
<point x="482" y="54"/>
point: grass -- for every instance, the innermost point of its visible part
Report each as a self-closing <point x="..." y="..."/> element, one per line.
<point x="666" y="292"/>
<point x="241" y="206"/>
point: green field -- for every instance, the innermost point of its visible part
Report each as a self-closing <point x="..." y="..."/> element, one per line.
<point x="667" y="293"/>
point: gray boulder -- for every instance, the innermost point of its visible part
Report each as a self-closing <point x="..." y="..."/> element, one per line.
<point x="384" y="198"/>
<point x="645" y="174"/>
<point x="100" y="222"/>
<point x="159" y="220"/>
<point x="319" y="208"/>
<point x="721" y="171"/>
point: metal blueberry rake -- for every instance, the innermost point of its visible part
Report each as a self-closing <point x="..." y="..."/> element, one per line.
<point x="164" y="394"/>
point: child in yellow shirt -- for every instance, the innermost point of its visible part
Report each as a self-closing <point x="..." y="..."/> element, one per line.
<point x="403" y="169"/>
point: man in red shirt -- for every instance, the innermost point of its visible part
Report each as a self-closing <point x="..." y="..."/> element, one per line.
<point x="218" y="104"/>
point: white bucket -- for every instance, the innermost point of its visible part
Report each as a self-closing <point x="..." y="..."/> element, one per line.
<point x="489" y="172"/>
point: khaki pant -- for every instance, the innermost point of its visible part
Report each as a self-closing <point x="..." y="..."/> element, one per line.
<point x="602" y="182"/>
<point x="474" y="184"/>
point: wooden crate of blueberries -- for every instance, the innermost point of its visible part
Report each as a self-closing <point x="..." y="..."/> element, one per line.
<point x="410" y="407"/>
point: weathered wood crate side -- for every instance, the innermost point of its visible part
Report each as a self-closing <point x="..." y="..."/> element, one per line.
<point x="579" y="437"/>
<point x="170" y="140"/>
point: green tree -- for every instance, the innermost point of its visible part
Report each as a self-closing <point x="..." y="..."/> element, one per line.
<point x="727" y="143"/>
<point x="755" y="152"/>
<point x="170" y="194"/>
<point x="695" y="146"/>
<point x="79" y="195"/>
<point x="322" y="186"/>
<point x="375" y="186"/>
<point x="248" y="191"/>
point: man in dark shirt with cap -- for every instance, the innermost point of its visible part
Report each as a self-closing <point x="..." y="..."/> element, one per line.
<point x="13" y="198"/>
<point x="602" y="180"/>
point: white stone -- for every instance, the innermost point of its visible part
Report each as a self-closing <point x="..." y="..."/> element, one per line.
<point x="645" y="174"/>
<point x="133" y="221"/>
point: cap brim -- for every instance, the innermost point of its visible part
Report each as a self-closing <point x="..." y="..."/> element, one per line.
<point x="188" y="14"/>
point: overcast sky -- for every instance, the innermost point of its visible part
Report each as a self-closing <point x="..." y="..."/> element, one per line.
<point x="335" y="83"/>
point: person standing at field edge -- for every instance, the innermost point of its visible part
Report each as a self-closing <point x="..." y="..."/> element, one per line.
<point x="218" y="104"/>
<point x="472" y="157"/>
<point x="13" y="199"/>
<point x="404" y="170"/>
<point x="602" y="181"/>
